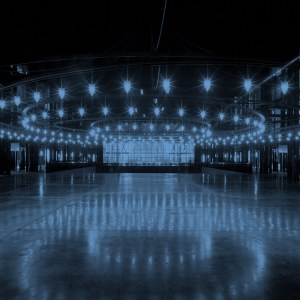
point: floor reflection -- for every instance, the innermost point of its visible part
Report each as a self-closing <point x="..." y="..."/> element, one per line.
<point x="183" y="237"/>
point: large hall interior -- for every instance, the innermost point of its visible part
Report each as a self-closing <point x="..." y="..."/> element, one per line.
<point x="169" y="171"/>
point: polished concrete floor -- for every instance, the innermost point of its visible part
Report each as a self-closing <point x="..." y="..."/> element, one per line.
<point x="82" y="235"/>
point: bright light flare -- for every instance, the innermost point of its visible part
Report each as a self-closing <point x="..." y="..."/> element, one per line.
<point x="2" y="104"/>
<point x="203" y="114"/>
<point x="81" y="111"/>
<point x="207" y="84"/>
<point x="105" y="110"/>
<point x="36" y="96"/>
<point x="221" y="116"/>
<point x="156" y="111"/>
<point x="33" y="117"/>
<point x="92" y="89"/>
<point x="236" y="118"/>
<point x="44" y="115"/>
<point x="61" y="93"/>
<point x="247" y="84"/>
<point x="181" y="112"/>
<point x="127" y="86"/>
<point x="167" y="85"/>
<point x="131" y="110"/>
<point x="60" y="112"/>
<point x="17" y="100"/>
<point x="284" y="87"/>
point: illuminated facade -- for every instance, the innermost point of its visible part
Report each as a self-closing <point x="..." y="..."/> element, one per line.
<point x="165" y="111"/>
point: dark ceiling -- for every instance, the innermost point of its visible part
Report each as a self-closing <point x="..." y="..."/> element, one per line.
<point x="265" y="30"/>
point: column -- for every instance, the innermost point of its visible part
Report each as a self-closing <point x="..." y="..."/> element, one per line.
<point x="33" y="157"/>
<point x="292" y="156"/>
<point x="197" y="155"/>
<point x="5" y="161"/>
<point x="264" y="159"/>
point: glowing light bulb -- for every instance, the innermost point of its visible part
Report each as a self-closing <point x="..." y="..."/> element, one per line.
<point x="207" y="84"/>
<point x="92" y="89"/>
<point x="33" y="117"/>
<point x="284" y="87"/>
<point x="60" y="112"/>
<point x="235" y="118"/>
<point x="202" y="114"/>
<point x="45" y="115"/>
<point x="61" y="93"/>
<point x="167" y="85"/>
<point x="181" y="112"/>
<point x="2" y="103"/>
<point x="127" y="86"/>
<point x="131" y="110"/>
<point x="81" y="111"/>
<point x="221" y="116"/>
<point x="36" y="96"/>
<point x="17" y="100"/>
<point x="247" y="84"/>
<point x="105" y="110"/>
<point x="156" y="111"/>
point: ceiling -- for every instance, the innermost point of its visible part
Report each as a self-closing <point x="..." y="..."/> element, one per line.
<point x="264" y="30"/>
<point x="49" y="46"/>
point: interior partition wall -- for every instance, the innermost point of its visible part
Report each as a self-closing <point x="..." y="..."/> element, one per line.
<point x="148" y="152"/>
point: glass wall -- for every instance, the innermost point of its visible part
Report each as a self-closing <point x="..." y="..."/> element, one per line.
<point x="148" y="152"/>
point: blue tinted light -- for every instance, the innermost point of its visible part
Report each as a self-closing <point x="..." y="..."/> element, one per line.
<point x="61" y="112"/>
<point x="36" y="96"/>
<point x="156" y="111"/>
<point x="119" y="127"/>
<point x="167" y="85"/>
<point x="247" y="84"/>
<point x="207" y="84"/>
<point x="17" y="100"/>
<point x="45" y="114"/>
<point x="221" y="116"/>
<point x="131" y="110"/>
<point x="81" y="111"/>
<point x="92" y="89"/>
<point x="105" y="110"/>
<point x="284" y="87"/>
<point x="181" y="112"/>
<point x="33" y="117"/>
<point x="127" y="86"/>
<point x="61" y="93"/>
<point x="202" y="114"/>
<point x="2" y="103"/>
